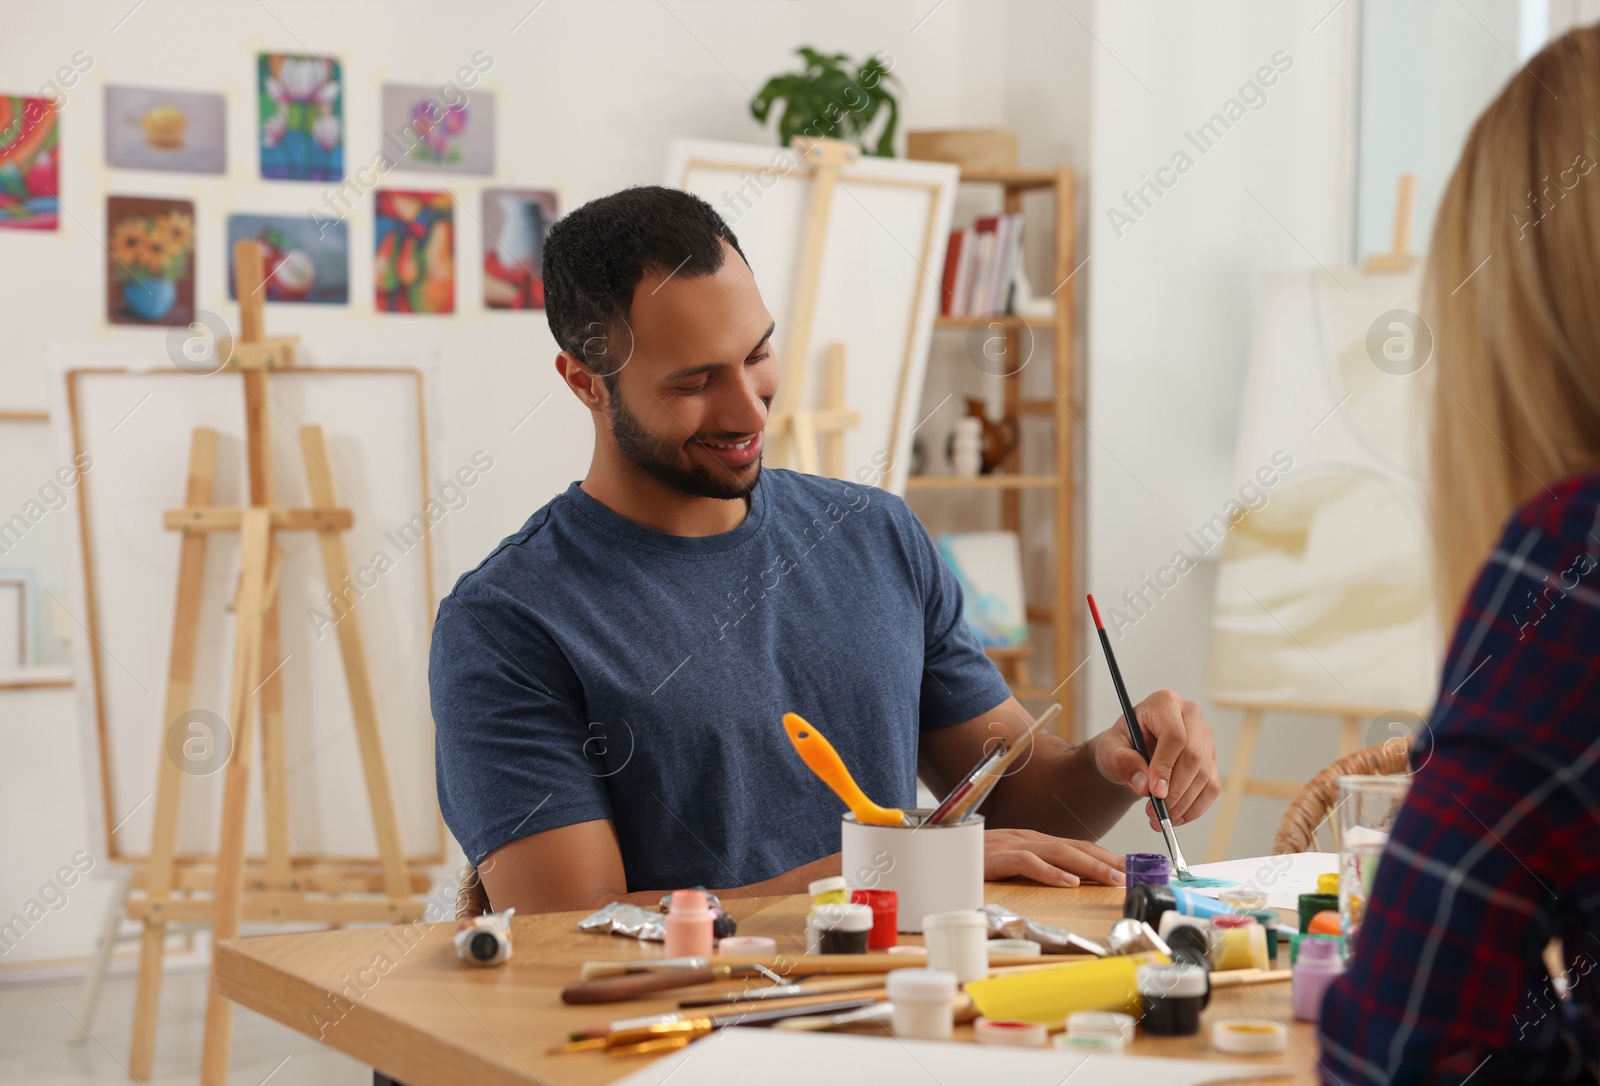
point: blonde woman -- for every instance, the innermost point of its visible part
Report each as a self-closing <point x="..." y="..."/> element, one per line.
<point x="1496" y="852"/>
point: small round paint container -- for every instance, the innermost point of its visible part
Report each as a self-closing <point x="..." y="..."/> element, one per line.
<point x="1238" y="942"/>
<point x="1325" y="923"/>
<point x="1318" y="966"/>
<point x="911" y="950"/>
<point x="1246" y="899"/>
<point x="1025" y="948"/>
<point x="923" y="1003"/>
<point x="842" y="929"/>
<point x="1097" y="1031"/>
<point x="747" y="944"/>
<point x="1249" y="1035"/>
<point x="1312" y="904"/>
<point x="1147" y="867"/>
<point x="958" y="942"/>
<point x="1269" y="921"/>
<point x="884" y="905"/>
<point x="1017" y="1034"/>
<point x="1173" y="997"/>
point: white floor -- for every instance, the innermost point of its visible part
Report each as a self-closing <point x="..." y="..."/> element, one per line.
<point x="37" y="1019"/>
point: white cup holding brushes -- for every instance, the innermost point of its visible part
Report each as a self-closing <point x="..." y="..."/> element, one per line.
<point x="933" y="869"/>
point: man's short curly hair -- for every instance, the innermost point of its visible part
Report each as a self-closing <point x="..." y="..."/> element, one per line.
<point x="596" y="256"/>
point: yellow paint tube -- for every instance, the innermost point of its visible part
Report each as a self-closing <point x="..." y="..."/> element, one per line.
<point x="1049" y="994"/>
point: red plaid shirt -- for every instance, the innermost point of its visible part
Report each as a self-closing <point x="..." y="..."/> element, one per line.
<point x="1497" y="848"/>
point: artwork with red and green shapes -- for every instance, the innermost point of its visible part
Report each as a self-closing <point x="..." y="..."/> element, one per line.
<point x="29" y="156"/>
<point x="414" y="270"/>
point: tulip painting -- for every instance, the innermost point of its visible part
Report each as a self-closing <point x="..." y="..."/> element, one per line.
<point x="29" y="154"/>
<point x="415" y="266"/>
<point x="149" y="261"/>
<point x="438" y="129"/>
<point x="302" y="118"/>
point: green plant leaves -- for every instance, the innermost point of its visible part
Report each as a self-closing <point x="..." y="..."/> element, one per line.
<point x="825" y="99"/>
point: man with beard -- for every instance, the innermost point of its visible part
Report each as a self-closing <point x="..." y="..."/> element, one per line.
<point x="608" y="684"/>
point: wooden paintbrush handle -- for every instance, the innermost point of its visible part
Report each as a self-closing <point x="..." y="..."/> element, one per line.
<point x="629" y="985"/>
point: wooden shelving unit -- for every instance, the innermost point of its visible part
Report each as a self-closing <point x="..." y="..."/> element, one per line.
<point x="1061" y="411"/>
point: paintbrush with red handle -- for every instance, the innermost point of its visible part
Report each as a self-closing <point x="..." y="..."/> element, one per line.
<point x="1160" y="805"/>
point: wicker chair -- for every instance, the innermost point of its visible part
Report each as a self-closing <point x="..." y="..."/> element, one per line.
<point x="1298" y="830"/>
<point x="471" y="898"/>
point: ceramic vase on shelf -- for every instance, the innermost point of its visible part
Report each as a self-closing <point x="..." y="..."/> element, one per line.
<point x="966" y="446"/>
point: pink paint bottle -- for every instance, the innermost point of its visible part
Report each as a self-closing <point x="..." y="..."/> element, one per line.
<point x="1318" y="966"/>
<point x="689" y="924"/>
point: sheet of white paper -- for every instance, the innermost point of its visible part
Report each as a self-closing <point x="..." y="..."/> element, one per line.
<point x="1284" y="878"/>
<point x="778" y="1058"/>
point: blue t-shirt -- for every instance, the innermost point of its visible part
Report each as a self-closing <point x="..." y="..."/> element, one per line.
<point x="592" y="667"/>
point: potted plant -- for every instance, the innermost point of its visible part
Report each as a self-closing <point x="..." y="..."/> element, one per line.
<point x="824" y="99"/>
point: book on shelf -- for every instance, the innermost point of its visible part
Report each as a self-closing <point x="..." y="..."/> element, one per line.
<point x="980" y="264"/>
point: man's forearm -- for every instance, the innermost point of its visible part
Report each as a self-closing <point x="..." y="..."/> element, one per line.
<point x="1058" y="791"/>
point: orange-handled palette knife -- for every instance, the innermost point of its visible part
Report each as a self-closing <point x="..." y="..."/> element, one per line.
<point x="818" y="754"/>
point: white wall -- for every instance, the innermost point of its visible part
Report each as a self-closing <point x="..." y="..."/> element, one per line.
<point x="1169" y="305"/>
<point x="588" y="96"/>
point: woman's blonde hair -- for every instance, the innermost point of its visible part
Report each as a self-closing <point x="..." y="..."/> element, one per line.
<point x="1512" y="294"/>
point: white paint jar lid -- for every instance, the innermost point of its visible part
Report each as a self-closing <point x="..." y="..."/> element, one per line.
<point x="962" y="918"/>
<point x="827" y="885"/>
<point x="920" y="985"/>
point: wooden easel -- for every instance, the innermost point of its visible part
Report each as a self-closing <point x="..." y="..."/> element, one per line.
<point x="1399" y="258"/>
<point x="794" y="429"/>
<point x="281" y="887"/>
<point x="1238" y="783"/>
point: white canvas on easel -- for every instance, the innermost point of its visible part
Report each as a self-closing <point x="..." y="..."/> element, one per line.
<point x="878" y="289"/>
<point x="136" y="422"/>
<point x="1324" y="601"/>
<point x="1324" y="595"/>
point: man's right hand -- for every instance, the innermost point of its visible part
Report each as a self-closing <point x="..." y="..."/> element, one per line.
<point x="1052" y="861"/>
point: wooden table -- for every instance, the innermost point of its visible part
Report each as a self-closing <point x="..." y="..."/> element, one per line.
<point x="398" y="999"/>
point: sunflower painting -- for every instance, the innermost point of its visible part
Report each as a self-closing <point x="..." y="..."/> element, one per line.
<point x="301" y="106"/>
<point x="415" y="267"/>
<point x="150" y="261"/>
<point x="29" y="154"/>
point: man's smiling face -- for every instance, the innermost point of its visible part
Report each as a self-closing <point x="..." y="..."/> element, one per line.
<point x="690" y="404"/>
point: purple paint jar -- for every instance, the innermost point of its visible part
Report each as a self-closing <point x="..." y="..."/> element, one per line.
<point x="1318" y="965"/>
<point x="1149" y="867"/>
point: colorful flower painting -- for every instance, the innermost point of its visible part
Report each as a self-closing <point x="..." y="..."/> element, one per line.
<point x="150" y="261"/>
<point x="415" y="266"/>
<point x="302" y="118"/>
<point x="302" y="262"/>
<point x="29" y="157"/>
<point x="438" y="129"/>
<point x="515" y="222"/>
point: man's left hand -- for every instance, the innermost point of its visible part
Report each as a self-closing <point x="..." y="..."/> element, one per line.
<point x="1183" y="758"/>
